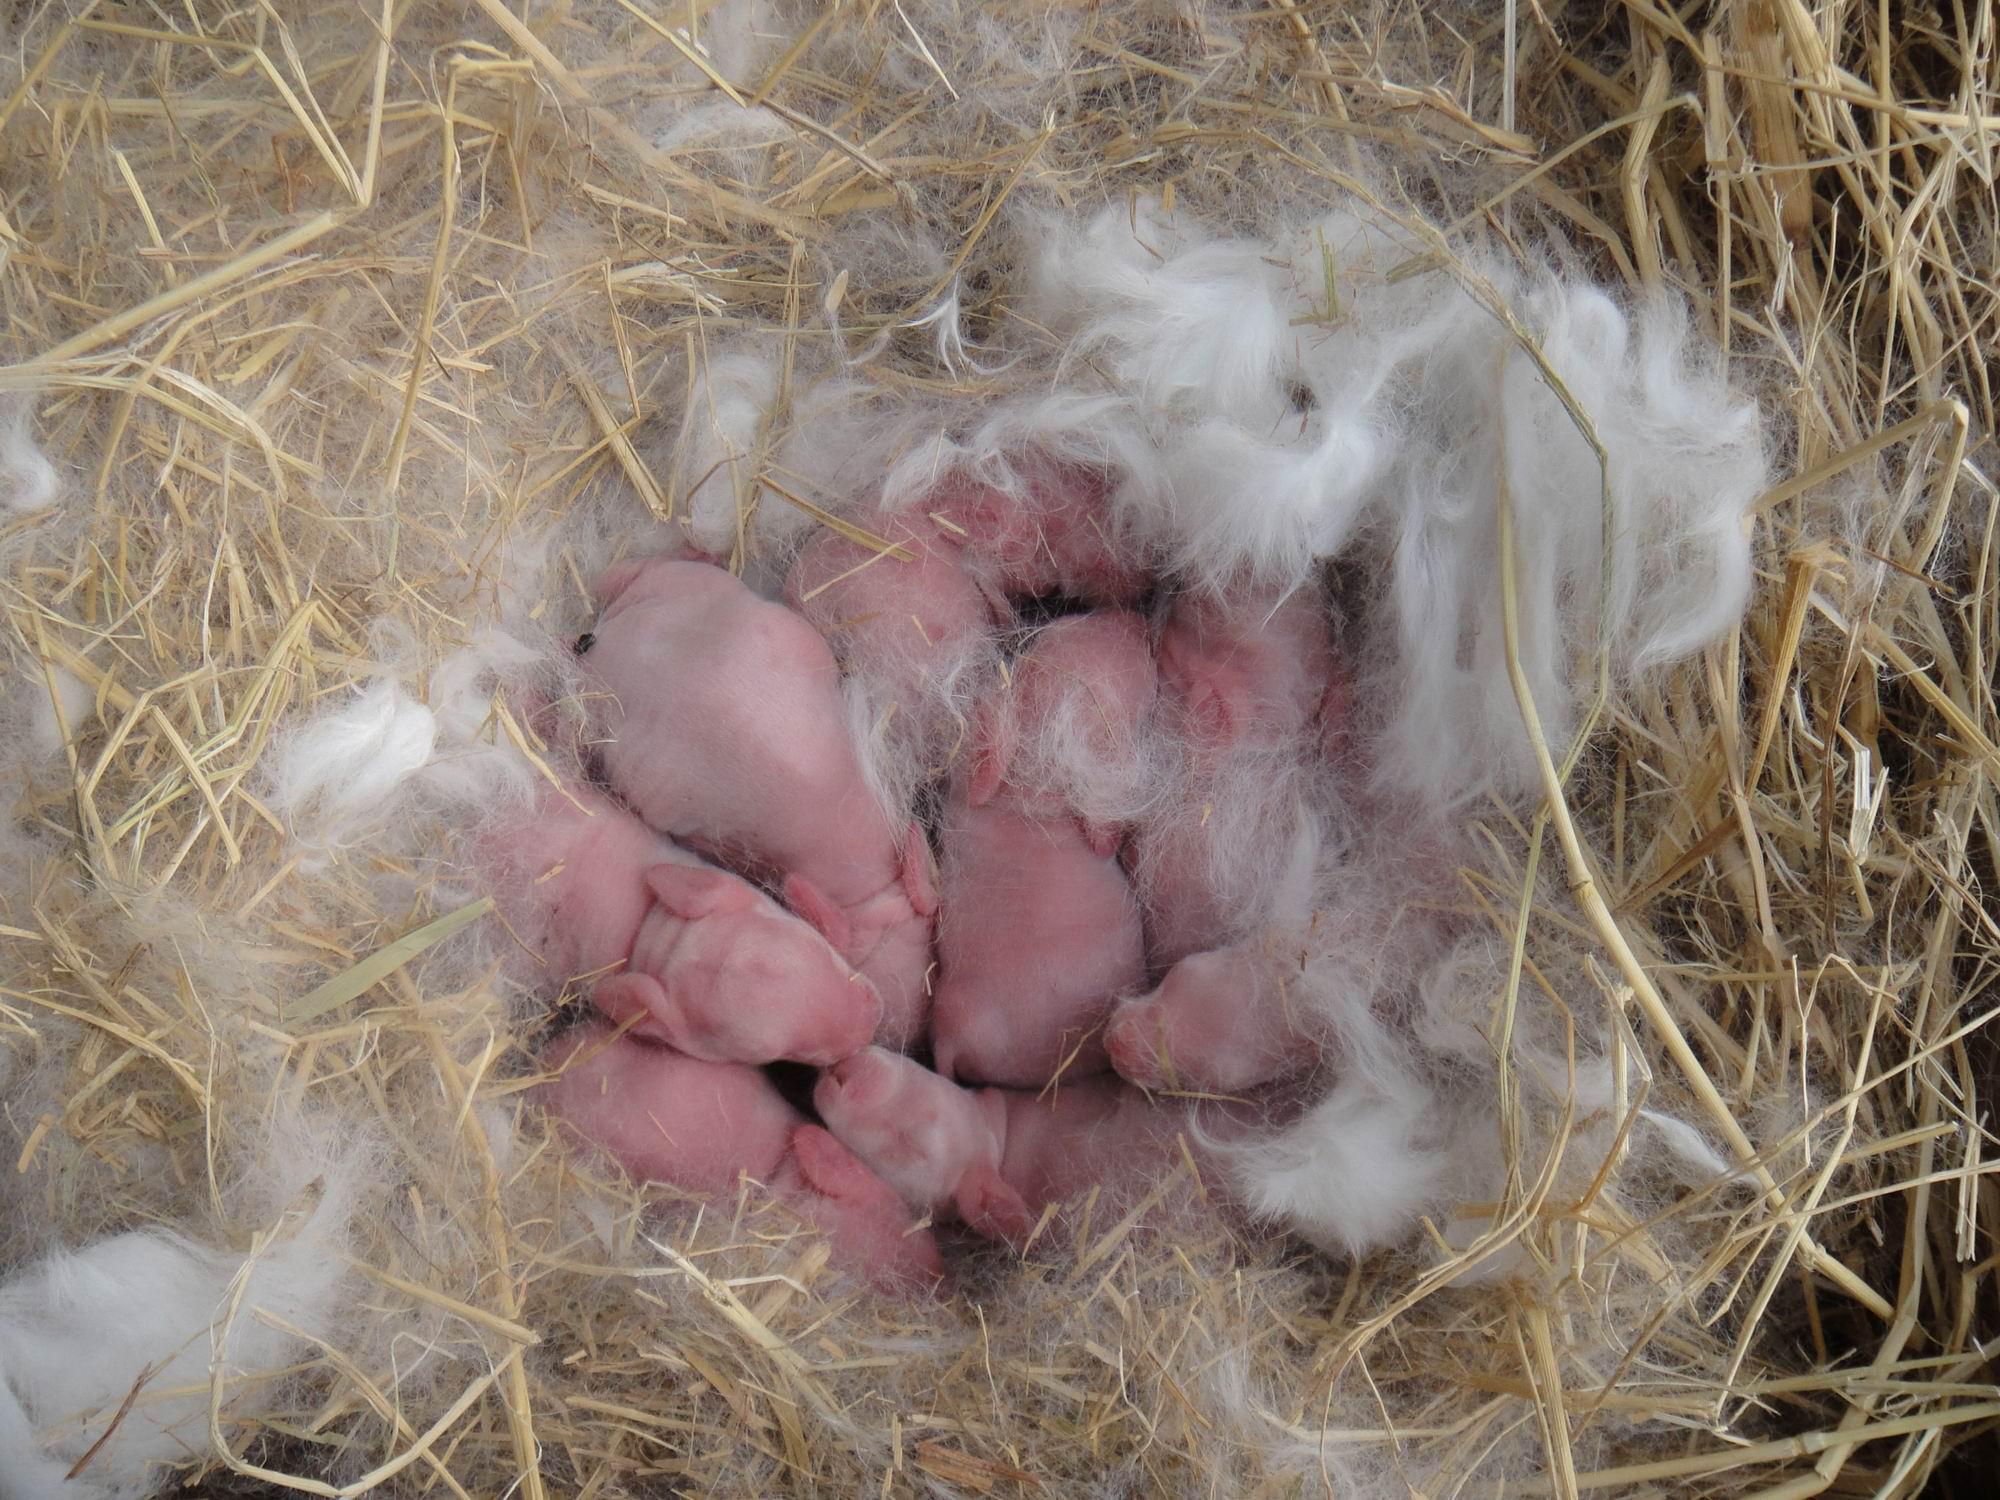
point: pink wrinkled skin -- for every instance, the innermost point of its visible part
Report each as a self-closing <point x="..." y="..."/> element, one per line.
<point x="900" y="623"/>
<point x="667" y="1117"/>
<point x="993" y="1158"/>
<point x="1056" y="539"/>
<point x="715" y="967"/>
<point x="722" y="724"/>
<point x="1251" y="671"/>
<point x="1219" y="1022"/>
<point x="1239" y="681"/>
<point x="870" y="1226"/>
<point x="1185" y="910"/>
<point x="1039" y="931"/>
<point x="698" y="1126"/>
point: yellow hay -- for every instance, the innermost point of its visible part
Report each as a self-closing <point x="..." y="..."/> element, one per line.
<point x="324" y="307"/>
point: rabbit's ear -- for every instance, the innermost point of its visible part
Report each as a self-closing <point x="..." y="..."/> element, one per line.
<point x="991" y="1206"/>
<point x="690" y="891"/>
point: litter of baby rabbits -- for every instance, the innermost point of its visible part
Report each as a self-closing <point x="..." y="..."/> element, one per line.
<point x="1250" y="747"/>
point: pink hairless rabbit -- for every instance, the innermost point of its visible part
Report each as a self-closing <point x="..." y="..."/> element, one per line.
<point x="1234" y="1017"/>
<point x="903" y="621"/>
<point x="1220" y="1022"/>
<point x="994" y="1158"/>
<point x="1249" y="670"/>
<point x="1054" y="534"/>
<point x="1338" y="918"/>
<point x="669" y="1118"/>
<point x="712" y="965"/>
<point x="722" y="723"/>
<point x="1242" y="688"/>
<point x="1039" y="931"/>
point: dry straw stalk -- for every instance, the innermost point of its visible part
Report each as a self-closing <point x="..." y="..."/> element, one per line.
<point x="325" y="306"/>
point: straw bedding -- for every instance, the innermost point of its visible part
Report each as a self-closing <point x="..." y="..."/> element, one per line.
<point x="343" y="342"/>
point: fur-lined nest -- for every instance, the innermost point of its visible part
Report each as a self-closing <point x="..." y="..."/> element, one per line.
<point x="335" y="333"/>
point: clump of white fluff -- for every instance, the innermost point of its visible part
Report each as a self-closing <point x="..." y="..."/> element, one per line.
<point x="153" y="1317"/>
<point x="345" y="773"/>
<point x="28" y="481"/>
<point x="715" y="456"/>
<point x="1353" y="1174"/>
<point x="1197" y="344"/>
<point x="1685" y="461"/>
<point x="332" y="776"/>
<point x="1384" y="1143"/>
<point x="1271" y="403"/>
<point x="73" y="697"/>
<point x="475" y="761"/>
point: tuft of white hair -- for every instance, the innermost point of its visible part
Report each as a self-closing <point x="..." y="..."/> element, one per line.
<point x="1663" y="574"/>
<point x="727" y="414"/>
<point x="344" y="774"/>
<point x="332" y="776"/>
<point x="1685" y="1152"/>
<point x="1353" y="1173"/>
<point x="76" y="701"/>
<point x="151" y="1319"/>
<point x="1267" y="404"/>
<point x="28" y="481"/>
<point x="475" y="763"/>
